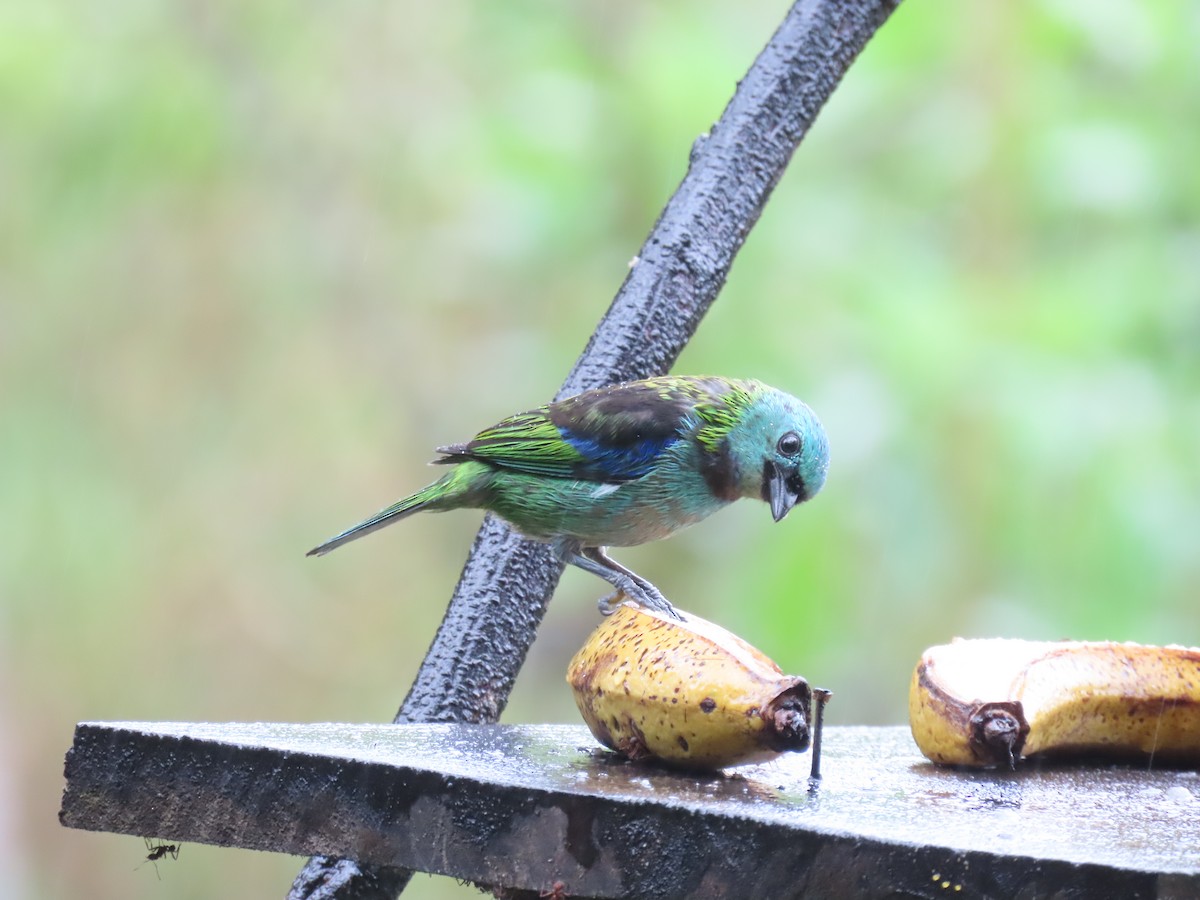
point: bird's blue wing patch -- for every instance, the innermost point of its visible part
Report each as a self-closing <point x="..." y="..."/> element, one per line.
<point x="604" y="461"/>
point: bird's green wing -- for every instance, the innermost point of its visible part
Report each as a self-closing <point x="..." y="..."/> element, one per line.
<point x="527" y="442"/>
<point x="610" y="434"/>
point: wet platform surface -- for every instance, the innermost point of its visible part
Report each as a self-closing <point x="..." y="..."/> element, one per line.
<point x="528" y="806"/>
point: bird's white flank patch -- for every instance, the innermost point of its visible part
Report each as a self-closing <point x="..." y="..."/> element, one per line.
<point x="605" y="489"/>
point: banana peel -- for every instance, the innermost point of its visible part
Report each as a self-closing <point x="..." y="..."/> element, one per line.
<point x="688" y="693"/>
<point x="991" y="702"/>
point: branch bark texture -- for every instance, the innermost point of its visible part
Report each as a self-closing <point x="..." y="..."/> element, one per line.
<point x="507" y="582"/>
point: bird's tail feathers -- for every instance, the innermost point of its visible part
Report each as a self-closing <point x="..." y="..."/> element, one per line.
<point x="401" y="509"/>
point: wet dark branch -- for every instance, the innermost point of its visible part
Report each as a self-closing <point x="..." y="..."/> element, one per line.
<point x="507" y="582"/>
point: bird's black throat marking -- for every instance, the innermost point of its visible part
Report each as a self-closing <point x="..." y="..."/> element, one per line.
<point x="794" y="481"/>
<point x="797" y="486"/>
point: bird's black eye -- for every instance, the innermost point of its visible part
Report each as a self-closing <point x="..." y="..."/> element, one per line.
<point x="789" y="444"/>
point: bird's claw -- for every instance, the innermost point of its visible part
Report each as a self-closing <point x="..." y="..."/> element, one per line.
<point x="650" y="599"/>
<point x="668" y="610"/>
<point x="610" y="604"/>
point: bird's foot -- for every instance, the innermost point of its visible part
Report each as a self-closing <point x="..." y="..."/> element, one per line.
<point x="650" y="597"/>
<point x="629" y="585"/>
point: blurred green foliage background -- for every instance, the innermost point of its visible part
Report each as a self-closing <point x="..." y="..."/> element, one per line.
<point x="257" y="259"/>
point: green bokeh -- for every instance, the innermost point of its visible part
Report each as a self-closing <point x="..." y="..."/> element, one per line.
<point x="257" y="259"/>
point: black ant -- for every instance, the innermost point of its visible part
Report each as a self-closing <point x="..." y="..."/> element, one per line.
<point x="157" y="852"/>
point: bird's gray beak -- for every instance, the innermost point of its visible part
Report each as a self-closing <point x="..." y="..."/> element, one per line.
<point x="782" y="492"/>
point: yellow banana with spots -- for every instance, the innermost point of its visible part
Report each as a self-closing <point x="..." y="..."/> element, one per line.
<point x="686" y="692"/>
<point x="991" y="702"/>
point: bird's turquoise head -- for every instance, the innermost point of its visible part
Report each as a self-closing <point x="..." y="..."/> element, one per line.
<point x="772" y="447"/>
<point x="793" y="447"/>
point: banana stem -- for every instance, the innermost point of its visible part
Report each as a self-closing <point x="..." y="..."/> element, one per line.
<point x="998" y="731"/>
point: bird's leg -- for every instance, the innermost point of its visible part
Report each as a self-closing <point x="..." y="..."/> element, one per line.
<point x="632" y="585"/>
